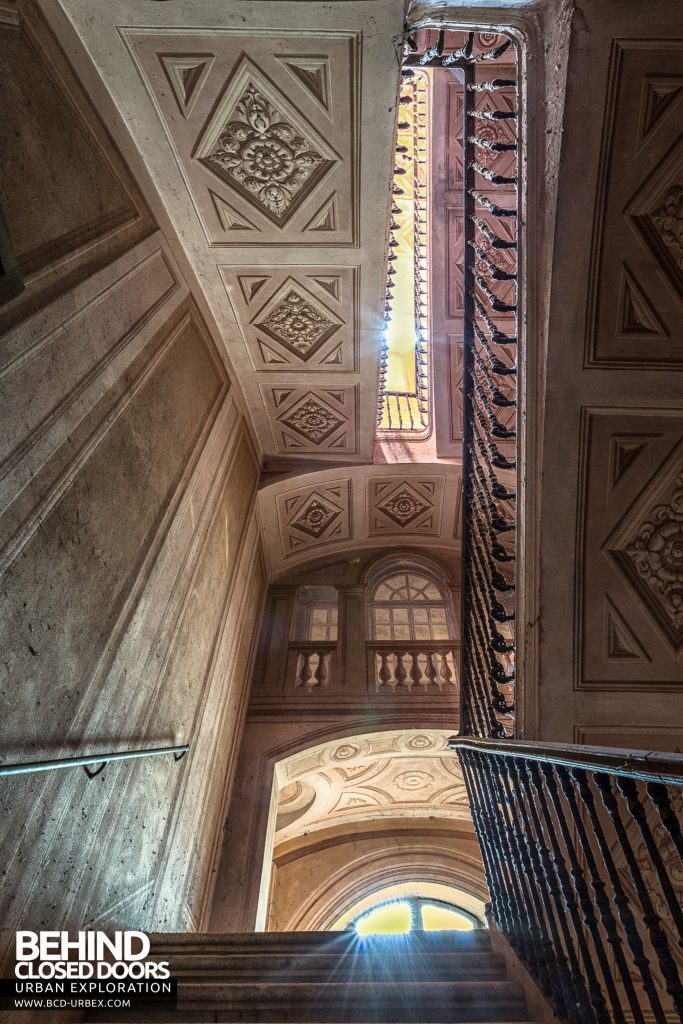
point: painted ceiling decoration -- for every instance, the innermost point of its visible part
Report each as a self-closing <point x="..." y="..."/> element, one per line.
<point x="304" y="517"/>
<point x="271" y="151"/>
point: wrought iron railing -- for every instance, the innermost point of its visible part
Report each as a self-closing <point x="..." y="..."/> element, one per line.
<point x="406" y="413"/>
<point x="583" y="853"/>
<point x="487" y="65"/>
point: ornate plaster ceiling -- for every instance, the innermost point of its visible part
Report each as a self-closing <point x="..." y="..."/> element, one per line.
<point x="394" y="505"/>
<point x="267" y="131"/>
<point x="391" y="775"/>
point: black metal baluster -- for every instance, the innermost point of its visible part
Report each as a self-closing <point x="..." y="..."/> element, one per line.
<point x="602" y="902"/>
<point x="521" y="935"/>
<point x="660" y="797"/>
<point x="667" y="964"/>
<point x="567" y="1002"/>
<point x="545" y="773"/>
<point x="581" y="1010"/>
<point x="510" y="924"/>
<point x="620" y="898"/>
<point x="550" y="970"/>
<point x="469" y="769"/>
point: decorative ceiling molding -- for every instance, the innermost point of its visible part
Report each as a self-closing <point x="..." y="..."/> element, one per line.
<point x="398" y="505"/>
<point x="296" y="319"/>
<point x="393" y="775"/>
<point x="629" y="633"/>
<point x="313" y="420"/>
<point x="249" y="123"/>
<point x="261" y="146"/>
<point x="306" y="516"/>
<point x="648" y="548"/>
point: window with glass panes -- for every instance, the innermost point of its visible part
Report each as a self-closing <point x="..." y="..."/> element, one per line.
<point x="408" y="606"/>
<point x="316" y="614"/>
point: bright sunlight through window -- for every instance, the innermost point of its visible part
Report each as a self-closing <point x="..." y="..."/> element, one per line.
<point x="402" y="916"/>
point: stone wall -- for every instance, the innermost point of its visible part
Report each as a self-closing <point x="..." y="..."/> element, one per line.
<point x="609" y="637"/>
<point x="313" y="885"/>
<point x="131" y="575"/>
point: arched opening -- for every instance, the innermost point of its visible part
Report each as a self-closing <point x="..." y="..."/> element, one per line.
<point x="368" y="819"/>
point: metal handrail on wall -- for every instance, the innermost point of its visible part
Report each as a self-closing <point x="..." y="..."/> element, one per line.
<point x="583" y="853"/>
<point x="29" y="767"/>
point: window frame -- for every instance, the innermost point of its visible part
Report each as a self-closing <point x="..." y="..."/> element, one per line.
<point x="410" y="606"/>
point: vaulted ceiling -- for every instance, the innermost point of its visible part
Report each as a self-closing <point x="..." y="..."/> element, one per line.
<point x="268" y="138"/>
<point x="323" y="512"/>
<point x="397" y="775"/>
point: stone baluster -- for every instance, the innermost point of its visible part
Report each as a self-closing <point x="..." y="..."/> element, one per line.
<point x="416" y="672"/>
<point x="305" y="672"/>
<point x="384" y="675"/>
<point x="400" y="674"/>
<point x="445" y="671"/>
<point x="321" y="670"/>
<point x="431" y="673"/>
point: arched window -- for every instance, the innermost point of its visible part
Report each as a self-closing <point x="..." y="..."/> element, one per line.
<point x="410" y="604"/>
<point x="398" y="917"/>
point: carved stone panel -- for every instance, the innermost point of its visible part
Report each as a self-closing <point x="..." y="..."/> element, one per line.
<point x="630" y="583"/>
<point x="301" y="515"/>
<point x="313" y="515"/>
<point x="312" y="421"/>
<point x="296" y="319"/>
<point x="399" y="505"/>
<point x="264" y="130"/>
<point x="636" y="303"/>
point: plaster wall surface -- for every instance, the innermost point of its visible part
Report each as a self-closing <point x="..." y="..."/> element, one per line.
<point x="312" y="887"/>
<point x="131" y="575"/>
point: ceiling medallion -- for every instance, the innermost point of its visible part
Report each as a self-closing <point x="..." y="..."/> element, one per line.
<point x="270" y="161"/>
<point x="412" y="780"/>
<point x="403" y="507"/>
<point x="655" y="552"/>
<point x="315" y="516"/>
<point x="312" y="420"/>
<point x="297" y="324"/>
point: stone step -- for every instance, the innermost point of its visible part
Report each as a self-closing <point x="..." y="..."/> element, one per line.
<point x="347" y="965"/>
<point x="264" y="943"/>
<point x="410" y="1002"/>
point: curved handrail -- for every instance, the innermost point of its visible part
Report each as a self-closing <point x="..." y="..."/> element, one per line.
<point x="648" y="765"/>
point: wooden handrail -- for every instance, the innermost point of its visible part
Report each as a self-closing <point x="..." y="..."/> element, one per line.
<point x="647" y="765"/>
<point x="652" y="766"/>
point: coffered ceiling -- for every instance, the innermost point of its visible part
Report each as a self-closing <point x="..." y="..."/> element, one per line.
<point x="267" y="131"/>
<point x="304" y="517"/>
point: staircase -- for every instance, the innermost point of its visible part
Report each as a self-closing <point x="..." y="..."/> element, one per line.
<point x="335" y="978"/>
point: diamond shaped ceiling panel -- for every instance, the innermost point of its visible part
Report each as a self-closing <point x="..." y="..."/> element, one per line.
<point x="259" y="144"/>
